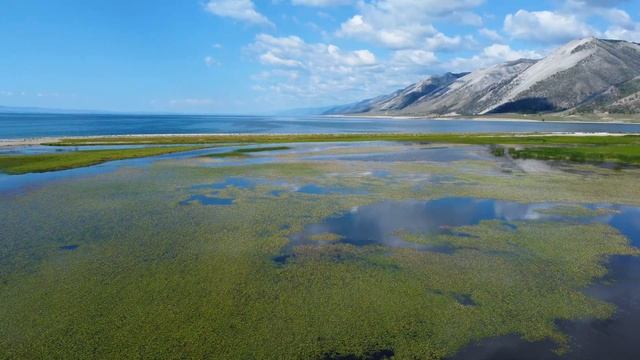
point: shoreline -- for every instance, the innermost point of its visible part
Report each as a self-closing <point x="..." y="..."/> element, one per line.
<point x="492" y="119"/>
<point x="60" y="139"/>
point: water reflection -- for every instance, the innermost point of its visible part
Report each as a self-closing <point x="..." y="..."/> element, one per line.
<point x="379" y="224"/>
<point x="615" y="338"/>
<point x="314" y="189"/>
<point x="432" y="154"/>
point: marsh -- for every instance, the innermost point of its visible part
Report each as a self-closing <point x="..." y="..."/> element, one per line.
<point x="321" y="251"/>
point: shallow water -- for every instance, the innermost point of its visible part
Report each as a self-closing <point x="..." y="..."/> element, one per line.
<point x="437" y="154"/>
<point x="11" y="183"/>
<point x="207" y="200"/>
<point x="379" y="224"/>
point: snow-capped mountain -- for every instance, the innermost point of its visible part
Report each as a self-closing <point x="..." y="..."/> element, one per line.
<point x="583" y="75"/>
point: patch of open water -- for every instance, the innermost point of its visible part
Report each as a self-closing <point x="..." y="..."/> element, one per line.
<point x="13" y="183"/>
<point x="207" y="200"/>
<point x="378" y="224"/>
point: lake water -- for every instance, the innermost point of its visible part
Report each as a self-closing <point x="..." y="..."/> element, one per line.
<point x="14" y="126"/>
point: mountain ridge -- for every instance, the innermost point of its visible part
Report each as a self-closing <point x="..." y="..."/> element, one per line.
<point x="586" y="75"/>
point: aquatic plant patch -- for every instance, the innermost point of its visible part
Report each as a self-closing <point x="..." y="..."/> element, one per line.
<point x="114" y="266"/>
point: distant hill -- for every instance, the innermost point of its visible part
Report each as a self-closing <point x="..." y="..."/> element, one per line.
<point x="584" y="76"/>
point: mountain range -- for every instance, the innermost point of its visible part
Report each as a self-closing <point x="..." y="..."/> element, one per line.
<point x="584" y="76"/>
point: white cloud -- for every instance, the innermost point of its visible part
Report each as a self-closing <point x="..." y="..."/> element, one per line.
<point x="546" y="26"/>
<point x="292" y="51"/>
<point x="354" y="58"/>
<point x="491" y="55"/>
<point x="630" y="33"/>
<point x="399" y="24"/>
<point x="414" y="57"/>
<point x="242" y="10"/>
<point x="442" y="42"/>
<point x="320" y="73"/>
<point x="269" y="58"/>
<point x="506" y="53"/>
<point x="210" y="61"/>
<point x="491" y="35"/>
<point x="467" y="18"/>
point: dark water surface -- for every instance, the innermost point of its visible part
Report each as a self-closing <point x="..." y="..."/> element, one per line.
<point x="13" y="126"/>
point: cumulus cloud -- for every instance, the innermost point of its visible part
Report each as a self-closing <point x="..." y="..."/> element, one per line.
<point x="292" y="51"/>
<point x="442" y="42"/>
<point x="491" y="35"/>
<point x="413" y="57"/>
<point x="269" y="58"/>
<point x="629" y="33"/>
<point x="401" y="24"/>
<point x="242" y="10"/>
<point x="325" y="73"/>
<point x="491" y="55"/>
<point x="545" y="26"/>
<point x="621" y="24"/>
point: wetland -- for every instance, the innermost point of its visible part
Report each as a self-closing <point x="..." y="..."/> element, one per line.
<point x="324" y="248"/>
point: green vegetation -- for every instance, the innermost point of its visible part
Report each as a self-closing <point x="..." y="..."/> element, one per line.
<point x="622" y="149"/>
<point x="150" y="278"/>
<point x="470" y="139"/>
<point x="576" y="211"/>
<point x="498" y="150"/>
<point x="239" y="153"/>
<point x="329" y="237"/>
<point x="625" y="154"/>
<point x="22" y="164"/>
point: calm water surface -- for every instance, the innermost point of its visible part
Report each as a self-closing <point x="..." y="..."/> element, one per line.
<point x="14" y="126"/>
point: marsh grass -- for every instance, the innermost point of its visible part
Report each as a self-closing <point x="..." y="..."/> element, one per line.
<point x="623" y="149"/>
<point x="620" y="153"/>
<point x="22" y="164"/>
<point x="576" y="211"/>
<point x="470" y="139"/>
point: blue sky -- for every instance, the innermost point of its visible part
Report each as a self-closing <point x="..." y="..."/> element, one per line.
<point x="251" y="56"/>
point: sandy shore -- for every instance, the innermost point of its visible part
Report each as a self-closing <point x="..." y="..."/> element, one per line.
<point x="28" y="142"/>
<point x="492" y="119"/>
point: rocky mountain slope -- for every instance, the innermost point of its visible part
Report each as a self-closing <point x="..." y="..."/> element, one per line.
<point x="587" y="75"/>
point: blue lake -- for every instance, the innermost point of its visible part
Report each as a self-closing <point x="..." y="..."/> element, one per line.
<point x="13" y="126"/>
